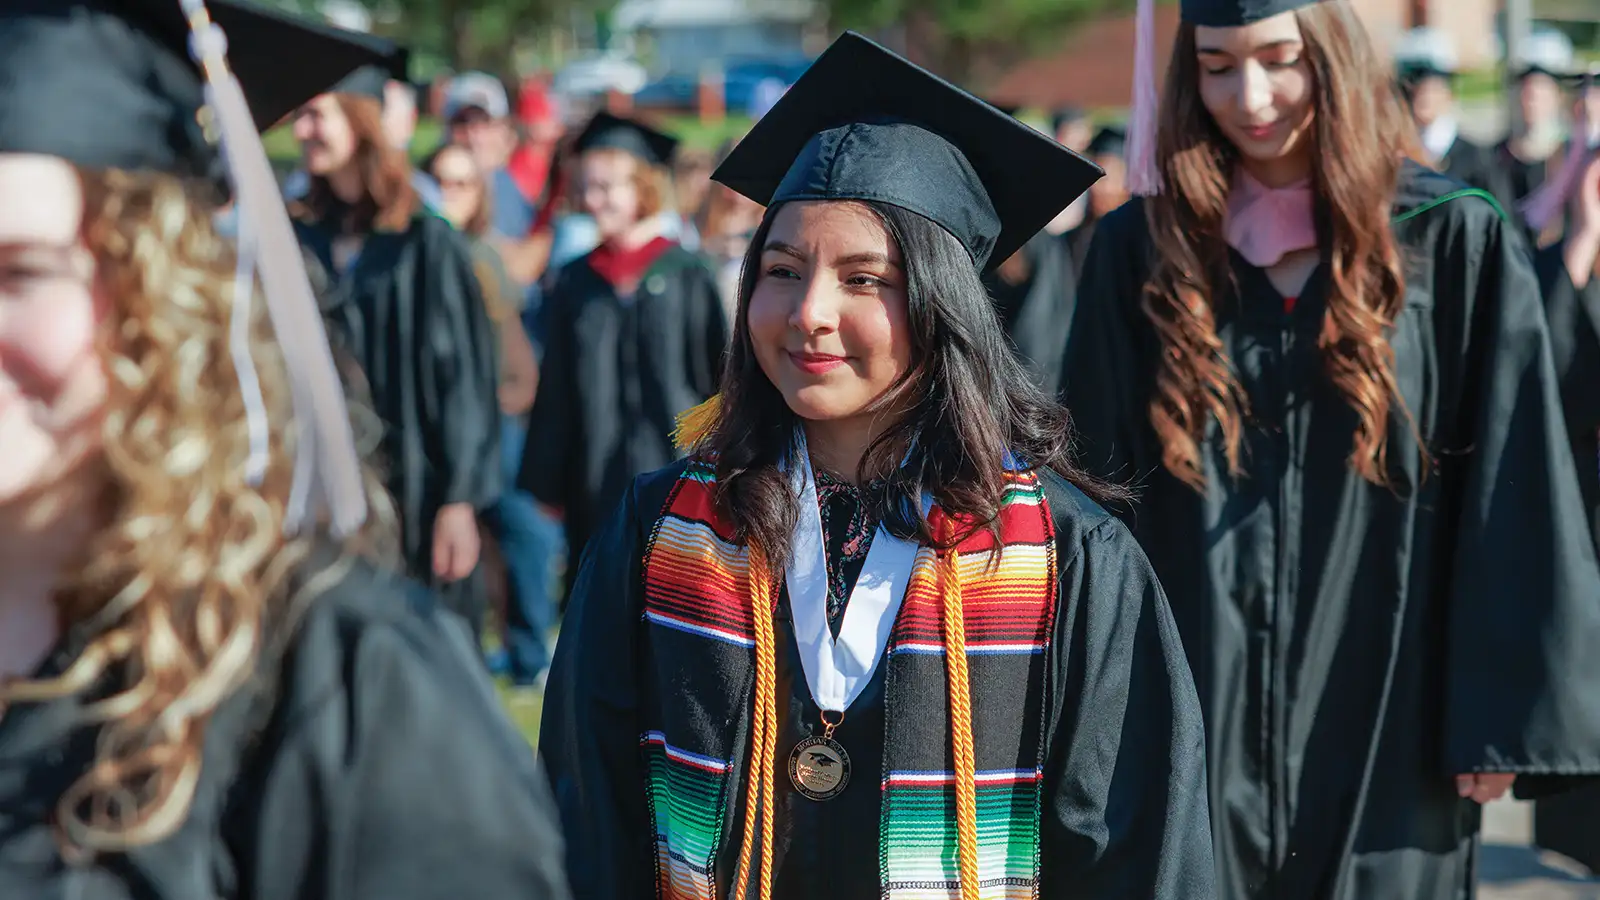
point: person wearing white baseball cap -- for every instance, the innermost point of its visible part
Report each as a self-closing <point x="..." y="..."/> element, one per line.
<point x="477" y="113"/>
<point x="1525" y="158"/>
<point x="1425" y="66"/>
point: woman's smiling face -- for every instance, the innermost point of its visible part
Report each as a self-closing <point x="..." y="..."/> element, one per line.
<point x="828" y="313"/>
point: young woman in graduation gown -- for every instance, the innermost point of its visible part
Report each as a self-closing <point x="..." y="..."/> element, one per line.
<point x="192" y="704"/>
<point x="875" y="638"/>
<point x="633" y="333"/>
<point x="1033" y="292"/>
<point x="404" y="302"/>
<point x="1570" y="823"/>
<point x="1328" y="371"/>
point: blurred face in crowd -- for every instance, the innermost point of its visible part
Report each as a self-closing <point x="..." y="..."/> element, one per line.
<point x="545" y="131"/>
<point x="327" y="140"/>
<point x="1540" y="98"/>
<point x="1110" y="191"/>
<point x="828" y="312"/>
<point x="691" y="180"/>
<point x="489" y="140"/>
<point x="1255" y="81"/>
<point x="53" y="384"/>
<point x="1431" y="100"/>
<point x="461" y="185"/>
<point x="738" y="214"/>
<point x="399" y="113"/>
<point x="1075" y="134"/>
<point x="1589" y="104"/>
<point x="609" y="185"/>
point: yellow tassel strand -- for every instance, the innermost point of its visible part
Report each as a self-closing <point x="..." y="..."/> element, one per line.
<point x="695" y="424"/>
<point x="763" y="734"/>
<point x="961" y="744"/>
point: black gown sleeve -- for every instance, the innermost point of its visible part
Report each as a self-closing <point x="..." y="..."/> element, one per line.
<point x="388" y="768"/>
<point x="458" y="372"/>
<point x="589" y="738"/>
<point x="1524" y="624"/>
<point x="548" y="470"/>
<point x="1105" y="375"/>
<point x="1046" y="318"/>
<point x="1125" y="805"/>
<point x="708" y="333"/>
<point x="1574" y="317"/>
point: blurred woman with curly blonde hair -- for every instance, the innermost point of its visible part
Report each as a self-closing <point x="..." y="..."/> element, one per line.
<point x="205" y="692"/>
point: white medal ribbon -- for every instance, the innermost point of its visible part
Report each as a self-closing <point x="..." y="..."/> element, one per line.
<point x="837" y="671"/>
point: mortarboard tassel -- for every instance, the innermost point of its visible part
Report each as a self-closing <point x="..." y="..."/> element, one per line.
<point x="326" y="460"/>
<point x="1144" y="177"/>
<point x="696" y="424"/>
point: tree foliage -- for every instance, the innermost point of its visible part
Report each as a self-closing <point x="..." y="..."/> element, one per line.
<point x="479" y="34"/>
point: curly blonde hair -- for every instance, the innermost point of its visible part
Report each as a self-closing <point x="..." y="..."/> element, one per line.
<point x="182" y="584"/>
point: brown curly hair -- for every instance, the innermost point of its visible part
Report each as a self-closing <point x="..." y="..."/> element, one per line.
<point x="185" y="582"/>
<point x="1361" y="135"/>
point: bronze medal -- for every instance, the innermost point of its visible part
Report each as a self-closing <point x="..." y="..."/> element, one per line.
<point x="819" y="768"/>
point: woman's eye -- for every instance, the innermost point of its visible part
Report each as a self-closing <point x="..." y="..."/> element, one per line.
<point x="868" y="281"/>
<point x="780" y="272"/>
<point x="1284" y="63"/>
<point x="1217" y="70"/>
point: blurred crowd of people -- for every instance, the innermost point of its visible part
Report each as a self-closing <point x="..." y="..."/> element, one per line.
<point x="561" y="224"/>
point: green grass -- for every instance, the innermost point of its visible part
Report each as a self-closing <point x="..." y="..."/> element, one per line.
<point x="524" y="706"/>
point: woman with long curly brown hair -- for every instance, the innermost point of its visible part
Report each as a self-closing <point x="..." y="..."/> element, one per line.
<point x="1327" y="369"/>
<point x="405" y="302"/>
<point x="208" y="686"/>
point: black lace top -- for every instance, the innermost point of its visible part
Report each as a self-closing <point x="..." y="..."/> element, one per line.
<point x="847" y="527"/>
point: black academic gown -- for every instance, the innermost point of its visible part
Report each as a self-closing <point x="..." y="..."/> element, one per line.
<point x="1518" y="178"/>
<point x="410" y="314"/>
<point x="617" y="370"/>
<point x="1037" y="312"/>
<point x="1476" y="166"/>
<point x="1356" y="648"/>
<point x="1123" y="812"/>
<point x="369" y="760"/>
<point x="1570" y="823"/>
<point x="1078" y="241"/>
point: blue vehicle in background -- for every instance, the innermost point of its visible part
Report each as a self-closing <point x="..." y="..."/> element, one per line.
<point x="741" y="83"/>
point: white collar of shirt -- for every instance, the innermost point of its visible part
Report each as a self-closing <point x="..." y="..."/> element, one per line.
<point x="838" y="670"/>
<point x="1440" y="136"/>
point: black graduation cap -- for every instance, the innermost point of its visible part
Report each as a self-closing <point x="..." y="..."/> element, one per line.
<point x="1233" y="13"/>
<point x="1108" y="142"/>
<point x="606" y="131"/>
<point x="110" y="83"/>
<point x="373" y="81"/>
<point x="865" y="124"/>
<point x="1010" y="109"/>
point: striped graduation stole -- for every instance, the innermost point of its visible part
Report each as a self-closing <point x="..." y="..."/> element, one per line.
<point x="699" y="643"/>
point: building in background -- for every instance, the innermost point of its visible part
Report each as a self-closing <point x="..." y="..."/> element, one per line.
<point x="1091" y="67"/>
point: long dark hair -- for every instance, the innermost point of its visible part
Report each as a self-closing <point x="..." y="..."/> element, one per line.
<point x="968" y="401"/>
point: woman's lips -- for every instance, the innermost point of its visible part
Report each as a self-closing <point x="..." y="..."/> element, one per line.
<point x="1260" y="132"/>
<point x="815" y="363"/>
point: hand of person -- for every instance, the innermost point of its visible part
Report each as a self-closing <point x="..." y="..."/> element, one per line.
<point x="1582" y="244"/>
<point x="1586" y="202"/>
<point x="1484" y="786"/>
<point x="456" y="544"/>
